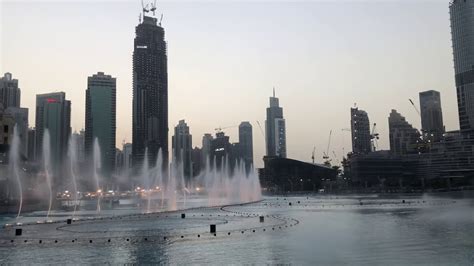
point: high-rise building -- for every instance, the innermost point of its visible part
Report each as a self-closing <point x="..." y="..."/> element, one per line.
<point x="431" y="115"/>
<point x="221" y="150"/>
<point x="31" y="144"/>
<point x="360" y="131"/>
<point x="7" y="123"/>
<point x="53" y="112"/>
<point x="275" y="129"/>
<point x="197" y="161"/>
<point x="118" y="161"/>
<point x="127" y="156"/>
<point x="9" y="92"/>
<point x="100" y="119"/>
<point x="80" y="137"/>
<point x="206" y="147"/>
<point x="150" y="92"/>
<point x="462" y="30"/>
<point x="404" y="138"/>
<point x="182" y="149"/>
<point x="246" y="142"/>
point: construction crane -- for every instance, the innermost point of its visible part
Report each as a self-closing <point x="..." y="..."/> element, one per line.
<point x="219" y="129"/>
<point x="343" y="145"/>
<point x="326" y="154"/>
<point x="312" y="156"/>
<point x="153" y="8"/>
<point x="145" y="8"/>
<point x="424" y="143"/>
<point x="414" y="106"/>
<point x="374" y="137"/>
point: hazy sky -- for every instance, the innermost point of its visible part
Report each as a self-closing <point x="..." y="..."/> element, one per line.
<point x="224" y="57"/>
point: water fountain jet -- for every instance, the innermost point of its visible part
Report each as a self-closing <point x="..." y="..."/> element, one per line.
<point x="14" y="158"/>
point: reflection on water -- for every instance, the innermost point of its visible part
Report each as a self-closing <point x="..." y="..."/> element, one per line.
<point x="331" y="230"/>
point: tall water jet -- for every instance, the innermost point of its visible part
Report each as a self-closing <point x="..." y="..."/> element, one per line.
<point x="171" y="188"/>
<point x="47" y="167"/>
<point x="14" y="158"/>
<point x="97" y="166"/>
<point x="72" y="150"/>
<point x="146" y="179"/>
<point x="159" y="175"/>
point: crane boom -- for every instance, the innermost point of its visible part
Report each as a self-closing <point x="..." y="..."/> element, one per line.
<point x="414" y="106"/>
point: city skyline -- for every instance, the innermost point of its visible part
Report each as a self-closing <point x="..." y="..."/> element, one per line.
<point x="311" y="90"/>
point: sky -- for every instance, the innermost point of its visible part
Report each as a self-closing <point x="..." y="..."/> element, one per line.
<point x="224" y="58"/>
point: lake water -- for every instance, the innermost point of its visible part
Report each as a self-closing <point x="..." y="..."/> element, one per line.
<point x="313" y="230"/>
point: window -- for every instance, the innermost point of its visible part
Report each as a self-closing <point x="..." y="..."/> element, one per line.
<point x="5" y="129"/>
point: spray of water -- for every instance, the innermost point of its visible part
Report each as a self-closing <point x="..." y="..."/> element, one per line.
<point x="159" y="176"/>
<point x="146" y="180"/>
<point x="72" y="161"/>
<point x="47" y="167"/>
<point x="13" y="163"/>
<point x="97" y="167"/>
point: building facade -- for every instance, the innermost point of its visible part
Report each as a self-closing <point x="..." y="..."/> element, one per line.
<point x="150" y="92"/>
<point x="246" y="142"/>
<point x="275" y="129"/>
<point x="7" y="123"/>
<point x="221" y="151"/>
<point x="404" y="138"/>
<point x="197" y="161"/>
<point x="431" y="115"/>
<point x="53" y="113"/>
<point x="182" y="149"/>
<point x="462" y="32"/>
<point x="127" y="156"/>
<point x="79" y="138"/>
<point x="10" y="94"/>
<point x="206" y="147"/>
<point x="31" y="144"/>
<point x="360" y="131"/>
<point x="101" y="119"/>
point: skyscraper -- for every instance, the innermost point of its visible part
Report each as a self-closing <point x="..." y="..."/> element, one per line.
<point x="462" y="32"/>
<point x="360" y="131"/>
<point x="403" y="137"/>
<point x="182" y="149"/>
<point x="246" y="142"/>
<point x="127" y="156"/>
<point x="9" y="92"/>
<point x="206" y="147"/>
<point x="80" y="137"/>
<point x="275" y="129"/>
<point x="431" y="114"/>
<point x="100" y="119"/>
<point x="53" y="112"/>
<point x="150" y="92"/>
<point x="221" y="151"/>
<point x="31" y="144"/>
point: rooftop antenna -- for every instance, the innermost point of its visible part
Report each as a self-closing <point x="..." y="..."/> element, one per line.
<point x="161" y="18"/>
<point x="140" y="18"/>
<point x="153" y="8"/>
<point x="273" y="91"/>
